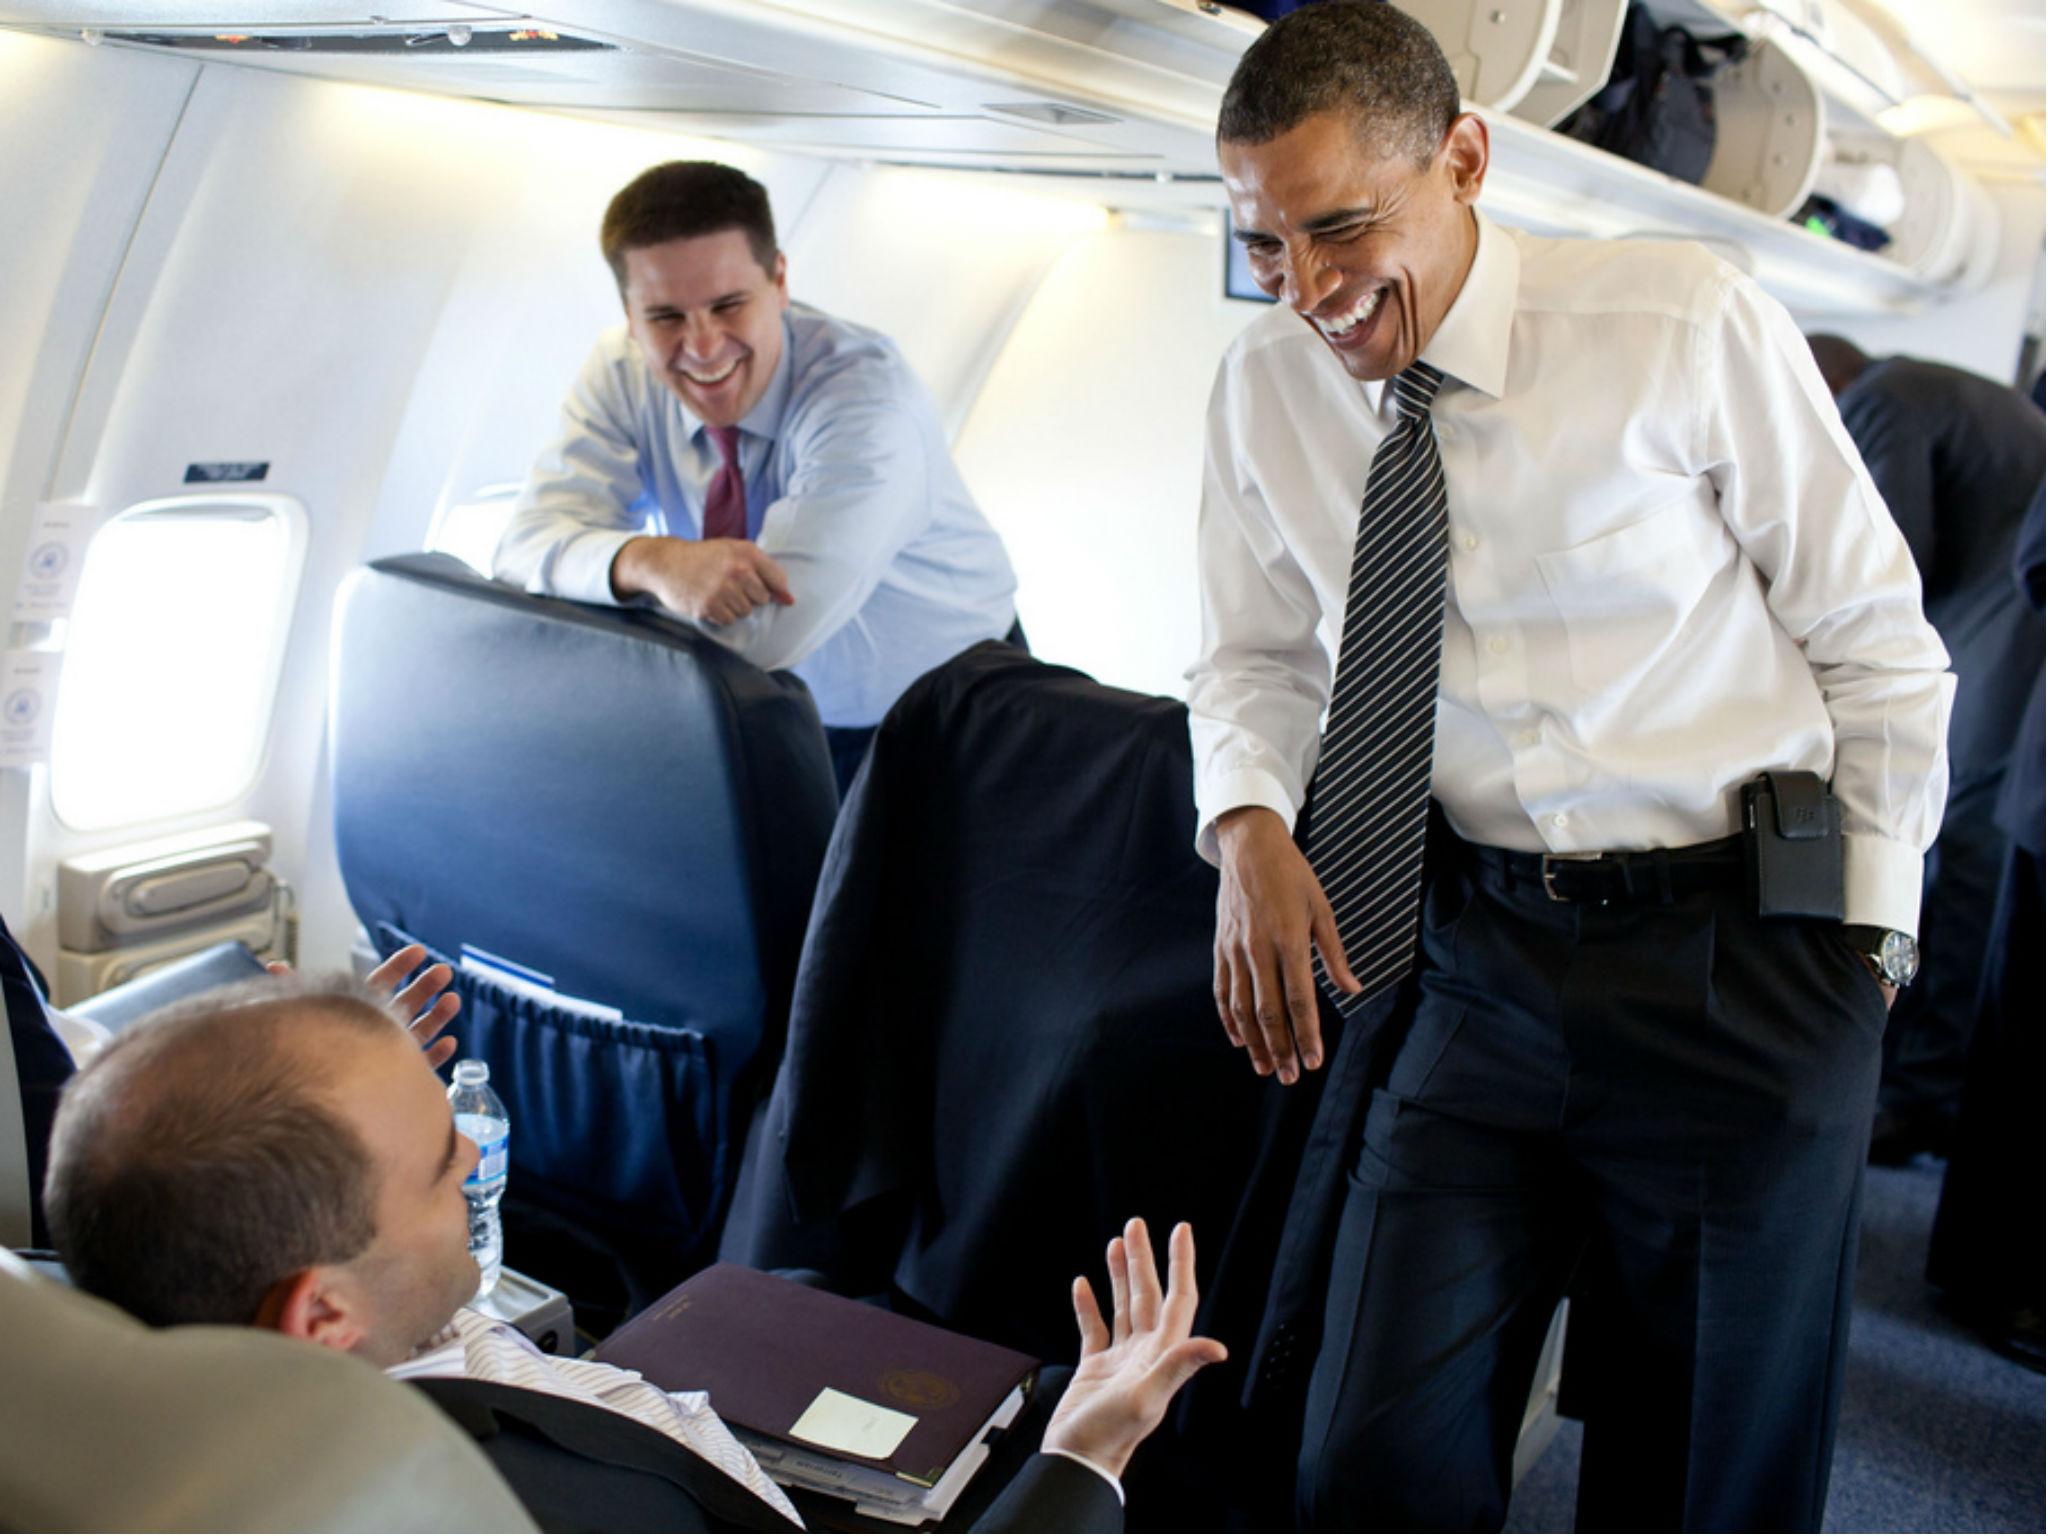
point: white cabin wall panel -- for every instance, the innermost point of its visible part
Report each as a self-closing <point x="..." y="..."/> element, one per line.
<point x="85" y="132"/>
<point x="943" y="262"/>
<point x="1085" y="448"/>
<point x="279" y="290"/>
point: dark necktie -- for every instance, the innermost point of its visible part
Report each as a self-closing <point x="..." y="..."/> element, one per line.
<point x="1370" y="794"/>
<point x="725" y="500"/>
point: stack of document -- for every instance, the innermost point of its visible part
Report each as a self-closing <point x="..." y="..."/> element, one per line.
<point x="892" y="1415"/>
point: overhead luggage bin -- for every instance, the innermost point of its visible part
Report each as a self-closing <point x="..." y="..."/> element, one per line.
<point x="1125" y="92"/>
<point x="1580" y="59"/>
<point x="1497" y="50"/>
<point x="1770" y="133"/>
<point x="1949" y="231"/>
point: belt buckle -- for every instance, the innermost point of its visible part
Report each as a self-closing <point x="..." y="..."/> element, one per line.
<point x="1549" y="873"/>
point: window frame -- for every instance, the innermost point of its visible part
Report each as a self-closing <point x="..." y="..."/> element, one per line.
<point x="296" y="524"/>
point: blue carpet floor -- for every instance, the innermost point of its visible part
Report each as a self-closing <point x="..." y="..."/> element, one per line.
<point x="1937" y="1432"/>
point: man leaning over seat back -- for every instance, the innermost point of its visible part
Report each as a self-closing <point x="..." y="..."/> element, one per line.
<point x="1589" y="516"/>
<point x="282" y="1155"/>
<point x="773" y="474"/>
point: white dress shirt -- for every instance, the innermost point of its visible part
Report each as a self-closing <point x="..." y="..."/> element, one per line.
<point x="1669" y="570"/>
<point x="480" y="1348"/>
<point x="850" y="486"/>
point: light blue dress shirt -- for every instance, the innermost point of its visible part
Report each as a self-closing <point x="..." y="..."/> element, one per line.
<point x="851" y="487"/>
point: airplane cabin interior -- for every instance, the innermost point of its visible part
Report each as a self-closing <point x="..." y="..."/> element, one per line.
<point x="294" y="291"/>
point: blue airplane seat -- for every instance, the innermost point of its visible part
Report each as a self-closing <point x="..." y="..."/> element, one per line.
<point x="598" y="805"/>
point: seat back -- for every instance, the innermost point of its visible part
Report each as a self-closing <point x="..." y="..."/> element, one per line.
<point x="1008" y="969"/>
<point x="106" y="1425"/>
<point x="1004" y="1044"/>
<point x="620" y="809"/>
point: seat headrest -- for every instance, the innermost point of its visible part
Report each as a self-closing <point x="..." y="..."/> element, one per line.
<point x="108" y="1425"/>
<point x="603" y="794"/>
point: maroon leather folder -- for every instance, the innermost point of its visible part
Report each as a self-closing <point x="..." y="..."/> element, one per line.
<point x="764" y="1348"/>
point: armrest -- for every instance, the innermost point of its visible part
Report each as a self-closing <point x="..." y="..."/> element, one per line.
<point x="221" y="966"/>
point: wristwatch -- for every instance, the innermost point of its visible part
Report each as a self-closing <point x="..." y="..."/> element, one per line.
<point x="1893" y="957"/>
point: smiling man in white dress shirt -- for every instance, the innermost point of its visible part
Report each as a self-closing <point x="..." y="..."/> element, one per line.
<point x="1614" y="476"/>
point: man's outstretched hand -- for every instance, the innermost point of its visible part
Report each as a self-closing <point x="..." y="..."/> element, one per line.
<point x="427" y="1002"/>
<point x="1132" y="1366"/>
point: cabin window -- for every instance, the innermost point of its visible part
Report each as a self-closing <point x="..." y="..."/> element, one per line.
<point x="172" y="656"/>
<point x="469" y="530"/>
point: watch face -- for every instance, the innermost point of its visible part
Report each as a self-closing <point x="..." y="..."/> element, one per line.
<point x="1899" y="955"/>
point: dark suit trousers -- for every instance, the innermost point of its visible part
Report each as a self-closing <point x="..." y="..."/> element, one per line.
<point x="1665" y="1105"/>
<point x="1987" y="1245"/>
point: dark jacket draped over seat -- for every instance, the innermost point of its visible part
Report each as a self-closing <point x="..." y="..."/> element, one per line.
<point x="1002" y="1041"/>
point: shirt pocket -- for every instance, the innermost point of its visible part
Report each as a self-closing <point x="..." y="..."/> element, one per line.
<point x="1624" y="598"/>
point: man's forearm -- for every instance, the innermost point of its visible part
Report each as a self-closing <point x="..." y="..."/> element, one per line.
<point x="631" y="572"/>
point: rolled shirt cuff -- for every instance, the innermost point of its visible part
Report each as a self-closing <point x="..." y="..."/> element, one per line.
<point x="582" y="567"/>
<point x="1881" y="881"/>
<point x="1081" y="1460"/>
<point x="1233" y="791"/>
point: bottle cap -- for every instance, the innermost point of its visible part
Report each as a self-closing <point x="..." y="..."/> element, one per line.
<point x="469" y="1073"/>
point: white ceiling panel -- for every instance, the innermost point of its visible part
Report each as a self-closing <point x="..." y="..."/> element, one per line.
<point x="232" y="13"/>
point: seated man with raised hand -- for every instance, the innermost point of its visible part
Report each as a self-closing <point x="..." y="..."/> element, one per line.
<point x="281" y="1155"/>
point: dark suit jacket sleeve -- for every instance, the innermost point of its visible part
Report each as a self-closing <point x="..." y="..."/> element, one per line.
<point x="1898" y="452"/>
<point x="1053" y="1493"/>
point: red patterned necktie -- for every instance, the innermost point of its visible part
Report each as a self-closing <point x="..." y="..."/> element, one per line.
<point x="725" y="502"/>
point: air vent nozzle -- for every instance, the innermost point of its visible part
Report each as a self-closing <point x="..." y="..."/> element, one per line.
<point x="1053" y="113"/>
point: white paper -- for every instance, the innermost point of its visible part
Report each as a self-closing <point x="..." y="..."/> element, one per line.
<point x="57" y="537"/>
<point x="28" y="705"/>
<point x="852" y="1426"/>
<point x="530" y="983"/>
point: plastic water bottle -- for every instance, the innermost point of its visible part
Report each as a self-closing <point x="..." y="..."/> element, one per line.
<point x="480" y="1115"/>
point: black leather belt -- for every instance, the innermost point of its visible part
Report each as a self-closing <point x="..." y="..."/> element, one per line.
<point x="1650" y="875"/>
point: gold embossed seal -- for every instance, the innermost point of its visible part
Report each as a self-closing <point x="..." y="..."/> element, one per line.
<point x="920" y="1389"/>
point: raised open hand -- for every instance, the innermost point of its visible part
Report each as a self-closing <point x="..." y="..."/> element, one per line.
<point x="1132" y="1366"/>
<point x="427" y="1002"/>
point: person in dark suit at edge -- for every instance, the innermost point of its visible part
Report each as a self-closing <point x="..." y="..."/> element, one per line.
<point x="1957" y="459"/>
<point x="281" y="1155"/>
<point x="1986" y="1251"/>
<point x="1615" y="559"/>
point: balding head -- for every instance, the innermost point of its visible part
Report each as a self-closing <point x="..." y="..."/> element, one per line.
<point x="1841" y="361"/>
<point x="216" y="1151"/>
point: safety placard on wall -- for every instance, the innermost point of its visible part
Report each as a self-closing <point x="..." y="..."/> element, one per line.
<point x="57" y="538"/>
<point x="28" y="705"/>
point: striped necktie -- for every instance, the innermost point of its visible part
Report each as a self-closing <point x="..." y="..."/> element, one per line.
<point x="1370" y="794"/>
